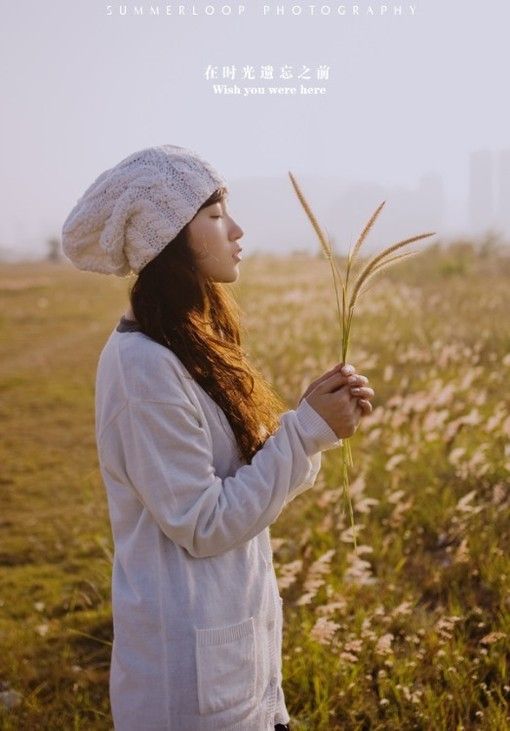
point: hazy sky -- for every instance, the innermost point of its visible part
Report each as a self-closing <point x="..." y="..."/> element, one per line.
<point x="406" y="95"/>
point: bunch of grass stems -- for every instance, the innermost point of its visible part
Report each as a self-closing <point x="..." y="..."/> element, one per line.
<point x="351" y="291"/>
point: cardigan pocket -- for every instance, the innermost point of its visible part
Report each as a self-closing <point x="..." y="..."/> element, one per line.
<point x="226" y="665"/>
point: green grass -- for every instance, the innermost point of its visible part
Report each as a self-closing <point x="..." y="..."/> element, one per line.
<point x="432" y="577"/>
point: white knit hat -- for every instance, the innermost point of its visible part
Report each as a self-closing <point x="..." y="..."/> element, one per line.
<point x="133" y="210"/>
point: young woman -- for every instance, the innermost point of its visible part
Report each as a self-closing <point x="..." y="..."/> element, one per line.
<point x="197" y="453"/>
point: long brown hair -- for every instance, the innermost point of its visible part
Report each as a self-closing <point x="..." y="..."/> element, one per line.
<point x="199" y="321"/>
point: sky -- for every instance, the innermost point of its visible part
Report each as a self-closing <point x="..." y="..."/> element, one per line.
<point x="407" y="96"/>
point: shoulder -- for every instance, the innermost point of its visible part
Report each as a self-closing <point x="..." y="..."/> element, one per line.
<point x="150" y="370"/>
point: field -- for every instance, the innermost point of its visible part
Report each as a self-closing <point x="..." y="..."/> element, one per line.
<point x="414" y="631"/>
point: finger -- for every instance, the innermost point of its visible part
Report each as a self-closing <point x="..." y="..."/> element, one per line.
<point x="332" y="383"/>
<point x="359" y="379"/>
<point x="365" y="406"/>
<point x="335" y="369"/>
<point x="347" y="368"/>
<point x="362" y="391"/>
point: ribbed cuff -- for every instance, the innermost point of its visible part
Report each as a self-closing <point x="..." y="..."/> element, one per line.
<point x="316" y="433"/>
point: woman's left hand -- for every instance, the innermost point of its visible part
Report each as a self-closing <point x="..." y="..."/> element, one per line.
<point x="358" y="386"/>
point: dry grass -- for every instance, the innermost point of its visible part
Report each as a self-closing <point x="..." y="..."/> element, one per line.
<point x="410" y="633"/>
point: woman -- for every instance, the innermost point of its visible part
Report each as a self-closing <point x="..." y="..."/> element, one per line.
<point x="195" y="453"/>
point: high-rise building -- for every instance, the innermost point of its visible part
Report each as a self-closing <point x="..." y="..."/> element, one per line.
<point x="503" y="191"/>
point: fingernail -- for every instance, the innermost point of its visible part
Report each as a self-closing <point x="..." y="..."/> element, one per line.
<point x="347" y="369"/>
<point x="352" y="379"/>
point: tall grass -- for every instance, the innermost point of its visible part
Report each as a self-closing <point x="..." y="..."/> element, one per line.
<point x="431" y="494"/>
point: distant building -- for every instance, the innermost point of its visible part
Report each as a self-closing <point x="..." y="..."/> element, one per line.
<point x="503" y="191"/>
<point x="481" y="191"/>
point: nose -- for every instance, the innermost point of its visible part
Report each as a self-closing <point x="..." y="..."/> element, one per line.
<point x="236" y="232"/>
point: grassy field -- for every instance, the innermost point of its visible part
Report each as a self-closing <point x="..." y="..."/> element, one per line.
<point x="414" y="631"/>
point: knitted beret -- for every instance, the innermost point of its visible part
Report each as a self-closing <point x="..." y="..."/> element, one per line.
<point x="133" y="210"/>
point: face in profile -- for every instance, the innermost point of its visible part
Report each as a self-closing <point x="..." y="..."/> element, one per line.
<point x="213" y="236"/>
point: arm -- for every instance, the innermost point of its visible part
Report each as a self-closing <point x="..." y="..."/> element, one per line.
<point x="165" y="454"/>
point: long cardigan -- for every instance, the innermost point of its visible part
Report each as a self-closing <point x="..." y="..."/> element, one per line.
<point x="197" y="614"/>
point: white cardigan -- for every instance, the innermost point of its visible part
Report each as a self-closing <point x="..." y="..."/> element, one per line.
<point x="197" y="613"/>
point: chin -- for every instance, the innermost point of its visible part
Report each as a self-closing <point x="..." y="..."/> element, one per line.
<point x="228" y="277"/>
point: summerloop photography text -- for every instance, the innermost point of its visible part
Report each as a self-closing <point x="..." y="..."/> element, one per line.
<point x="322" y="10"/>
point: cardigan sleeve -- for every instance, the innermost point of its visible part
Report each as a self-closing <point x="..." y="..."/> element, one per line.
<point x="163" y="452"/>
<point x="309" y="481"/>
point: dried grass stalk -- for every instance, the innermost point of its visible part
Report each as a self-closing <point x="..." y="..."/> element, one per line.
<point x="349" y="298"/>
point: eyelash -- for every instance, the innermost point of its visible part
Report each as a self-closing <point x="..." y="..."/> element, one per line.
<point x="215" y="216"/>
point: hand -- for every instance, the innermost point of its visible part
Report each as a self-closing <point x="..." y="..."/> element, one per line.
<point x="356" y="382"/>
<point x="330" y="396"/>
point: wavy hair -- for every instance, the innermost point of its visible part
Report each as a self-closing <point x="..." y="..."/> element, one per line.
<point x="199" y="320"/>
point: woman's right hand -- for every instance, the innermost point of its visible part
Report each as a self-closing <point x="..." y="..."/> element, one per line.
<point x="332" y="399"/>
